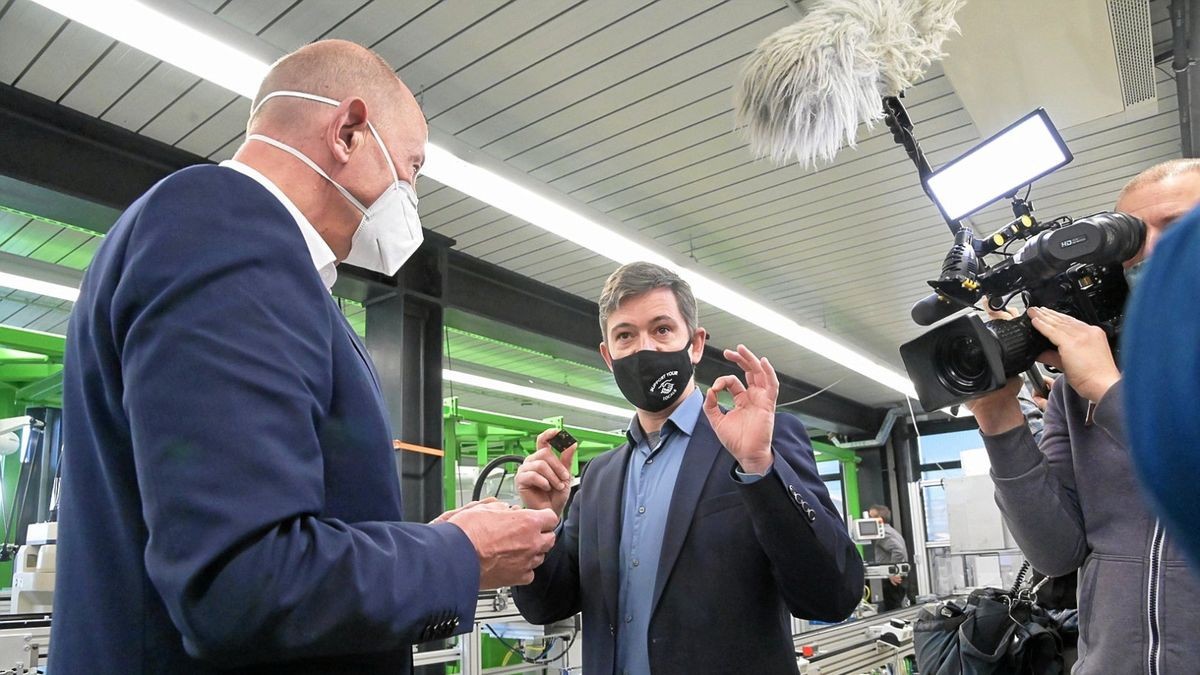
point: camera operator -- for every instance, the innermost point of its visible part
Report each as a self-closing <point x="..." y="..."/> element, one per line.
<point x="1071" y="500"/>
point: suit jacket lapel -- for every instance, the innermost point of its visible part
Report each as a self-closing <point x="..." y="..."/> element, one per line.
<point x="701" y="453"/>
<point x="610" y="495"/>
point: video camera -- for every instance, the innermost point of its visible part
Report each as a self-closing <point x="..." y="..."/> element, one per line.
<point x="1071" y="266"/>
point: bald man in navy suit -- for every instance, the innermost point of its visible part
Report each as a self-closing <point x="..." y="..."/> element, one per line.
<point x="230" y="501"/>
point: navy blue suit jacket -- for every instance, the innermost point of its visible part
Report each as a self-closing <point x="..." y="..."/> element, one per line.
<point x="737" y="558"/>
<point x="230" y="497"/>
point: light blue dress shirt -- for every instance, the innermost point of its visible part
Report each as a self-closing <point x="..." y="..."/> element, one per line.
<point x="649" y="486"/>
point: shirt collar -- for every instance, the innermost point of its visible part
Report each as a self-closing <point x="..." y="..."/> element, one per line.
<point x="683" y="418"/>
<point x="322" y="256"/>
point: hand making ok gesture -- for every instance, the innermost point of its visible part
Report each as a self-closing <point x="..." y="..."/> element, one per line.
<point x="746" y="429"/>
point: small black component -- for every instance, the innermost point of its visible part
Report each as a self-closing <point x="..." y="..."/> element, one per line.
<point x="562" y="441"/>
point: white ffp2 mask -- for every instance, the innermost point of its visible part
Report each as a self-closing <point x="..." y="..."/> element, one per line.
<point x="390" y="229"/>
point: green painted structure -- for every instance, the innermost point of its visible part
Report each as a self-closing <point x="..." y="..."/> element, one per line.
<point x="30" y="375"/>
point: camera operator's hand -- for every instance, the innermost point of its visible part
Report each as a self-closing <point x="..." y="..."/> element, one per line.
<point x="1083" y="353"/>
<point x="1004" y="314"/>
<point x="999" y="411"/>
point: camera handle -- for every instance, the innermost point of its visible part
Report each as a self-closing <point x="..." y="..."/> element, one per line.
<point x="897" y="120"/>
<point x="1037" y="381"/>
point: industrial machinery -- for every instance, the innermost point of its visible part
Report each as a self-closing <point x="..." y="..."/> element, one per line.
<point x="875" y="644"/>
<point x="867" y="530"/>
<point x="886" y="570"/>
<point x="34" y="570"/>
<point x="24" y="643"/>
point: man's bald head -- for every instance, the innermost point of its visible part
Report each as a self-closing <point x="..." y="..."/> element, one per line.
<point x="1159" y="196"/>
<point x="335" y="69"/>
<point x="1160" y="172"/>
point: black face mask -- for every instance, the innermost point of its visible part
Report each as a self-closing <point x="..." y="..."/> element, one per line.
<point x="653" y="380"/>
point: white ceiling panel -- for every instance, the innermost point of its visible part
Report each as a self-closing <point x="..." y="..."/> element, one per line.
<point x="26" y="30"/>
<point x="72" y="50"/>
<point x="103" y="82"/>
<point x="553" y="29"/>
<point x="631" y="77"/>
<point x="593" y="63"/>
<point x="373" y="22"/>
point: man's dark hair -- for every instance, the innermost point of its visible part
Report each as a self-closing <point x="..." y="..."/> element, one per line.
<point x="637" y="278"/>
<point x="882" y="511"/>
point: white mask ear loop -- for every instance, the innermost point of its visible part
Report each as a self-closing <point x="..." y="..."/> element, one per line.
<point x="383" y="149"/>
<point x="335" y="103"/>
<point x="311" y="164"/>
<point x="295" y="94"/>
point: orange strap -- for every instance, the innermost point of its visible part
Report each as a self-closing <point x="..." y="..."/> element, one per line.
<point x="401" y="445"/>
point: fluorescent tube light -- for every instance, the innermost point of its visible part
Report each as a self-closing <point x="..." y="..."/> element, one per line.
<point x="38" y="287"/>
<point x="142" y="26"/>
<point x="538" y="394"/>
<point x="146" y="28"/>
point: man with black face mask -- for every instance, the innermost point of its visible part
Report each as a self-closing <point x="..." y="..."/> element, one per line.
<point x="687" y="548"/>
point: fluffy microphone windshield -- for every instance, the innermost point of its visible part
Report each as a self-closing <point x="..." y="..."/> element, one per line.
<point x="806" y="88"/>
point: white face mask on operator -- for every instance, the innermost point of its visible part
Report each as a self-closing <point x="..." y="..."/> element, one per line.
<point x="390" y="229"/>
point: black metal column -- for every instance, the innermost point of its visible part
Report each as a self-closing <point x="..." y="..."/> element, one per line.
<point x="902" y="444"/>
<point x="1185" y="30"/>
<point x="404" y="338"/>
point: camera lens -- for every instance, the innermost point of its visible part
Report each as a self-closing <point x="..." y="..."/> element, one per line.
<point x="963" y="366"/>
<point x="967" y="357"/>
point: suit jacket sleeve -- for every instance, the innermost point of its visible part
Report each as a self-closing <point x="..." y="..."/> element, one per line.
<point x="815" y="563"/>
<point x="1035" y="490"/>
<point x="225" y="361"/>
<point x="554" y="594"/>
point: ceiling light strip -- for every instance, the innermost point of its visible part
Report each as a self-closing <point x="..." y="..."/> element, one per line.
<point x="467" y="379"/>
<point x="142" y="26"/>
<point x="38" y="287"/>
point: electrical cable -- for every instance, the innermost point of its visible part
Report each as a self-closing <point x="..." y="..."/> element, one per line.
<point x="450" y="366"/>
<point x="488" y="468"/>
<point x="812" y="395"/>
<point x="1020" y="580"/>
<point x="916" y="430"/>
<point x="449" y="361"/>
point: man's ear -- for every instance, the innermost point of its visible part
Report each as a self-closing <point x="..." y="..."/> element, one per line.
<point x="698" y="341"/>
<point x="607" y="356"/>
<point x="347" y="130"/>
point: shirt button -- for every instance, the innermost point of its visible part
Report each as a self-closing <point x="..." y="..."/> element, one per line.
<point x="628" y="618"/>
<point x="641" y="509"/>
<point x="636" y="563"/>
<point x="649" y="461"/>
